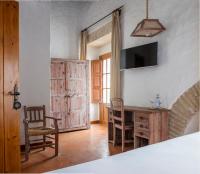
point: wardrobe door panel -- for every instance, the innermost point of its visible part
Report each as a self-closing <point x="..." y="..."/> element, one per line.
<point x="77" y="91"/>
<point x="1" y="92"/>
<point x="61" y="123"/>
<point x="57" y="70"/>
<point x="58" y="101"/>
<point x="11" y="72"/>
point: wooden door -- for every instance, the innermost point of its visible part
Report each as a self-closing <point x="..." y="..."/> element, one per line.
<point x="96" y="77"/>
<point x="70" y="94"/>
<point x="1" y="92"/>
<point x="106" y="59"/>
<point x="9" y="121"/>
<point x="103" y="113"/>
<point x="11" y="72"/>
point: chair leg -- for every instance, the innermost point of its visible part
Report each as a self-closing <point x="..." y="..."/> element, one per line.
<point x="114" y="135"/>
<point x="56" y="144"/>
<point x="27" y="148"/>
<point x="123" y="139"/>
<point x="44" y="141"/>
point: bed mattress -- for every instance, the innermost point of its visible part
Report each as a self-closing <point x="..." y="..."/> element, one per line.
<point x="176" y="156"/>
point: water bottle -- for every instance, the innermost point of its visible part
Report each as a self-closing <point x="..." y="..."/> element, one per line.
<point x="157" y="101"/>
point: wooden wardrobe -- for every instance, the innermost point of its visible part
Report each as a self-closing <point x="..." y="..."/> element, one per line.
<point x="9" y="57"/>
<point x="70" y="94"/>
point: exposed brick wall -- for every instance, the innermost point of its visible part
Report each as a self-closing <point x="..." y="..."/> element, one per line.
<point x="186" y="106"/>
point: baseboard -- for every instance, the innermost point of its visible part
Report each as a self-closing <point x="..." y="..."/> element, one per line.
<point x="104" y="122"/>
<point x="95" y="122"/>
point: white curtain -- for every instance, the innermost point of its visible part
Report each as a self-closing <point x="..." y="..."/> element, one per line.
<point x="115" y="61"/>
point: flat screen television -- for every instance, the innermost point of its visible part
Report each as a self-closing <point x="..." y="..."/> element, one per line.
<point x="140" y="56"/>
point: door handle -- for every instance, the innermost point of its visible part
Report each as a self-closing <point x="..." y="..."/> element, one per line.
<point x="15" y="93"/>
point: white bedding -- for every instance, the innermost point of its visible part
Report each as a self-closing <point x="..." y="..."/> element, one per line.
<point x="177" y="156"/>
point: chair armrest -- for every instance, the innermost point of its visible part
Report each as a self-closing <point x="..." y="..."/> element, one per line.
<point x="55" y="120"/>
<point x="52" y="118"/>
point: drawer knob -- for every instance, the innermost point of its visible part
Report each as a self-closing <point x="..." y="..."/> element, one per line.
<point x="141" y="126"/>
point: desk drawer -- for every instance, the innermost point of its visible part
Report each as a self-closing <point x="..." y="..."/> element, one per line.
<point x="142" y="133"/>
<point x="142" y="125"/>
<point x="142" y="117"/>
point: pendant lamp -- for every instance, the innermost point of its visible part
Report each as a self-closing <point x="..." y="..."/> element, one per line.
<point x="148" y="27"/>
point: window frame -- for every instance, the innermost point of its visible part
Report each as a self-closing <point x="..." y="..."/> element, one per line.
<point x="102" y="58"/>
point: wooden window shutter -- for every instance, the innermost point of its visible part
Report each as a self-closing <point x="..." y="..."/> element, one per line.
<point x="96" y="72"/>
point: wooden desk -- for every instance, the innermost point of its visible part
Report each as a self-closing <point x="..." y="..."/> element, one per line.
<point x="150" y="125"/>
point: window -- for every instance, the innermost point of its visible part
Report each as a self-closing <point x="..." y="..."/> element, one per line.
<point x="106" y="80"/>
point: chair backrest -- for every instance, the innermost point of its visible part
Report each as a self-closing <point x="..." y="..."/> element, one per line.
<point x="35" y="114"/>
<point x="117" y="108"/>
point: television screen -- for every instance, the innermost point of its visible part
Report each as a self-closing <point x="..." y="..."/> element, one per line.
<point x="140" y="56"/>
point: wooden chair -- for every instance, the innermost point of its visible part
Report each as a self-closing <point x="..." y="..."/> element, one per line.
<point x="35" y="125"/>
<point x="119" y="122"/>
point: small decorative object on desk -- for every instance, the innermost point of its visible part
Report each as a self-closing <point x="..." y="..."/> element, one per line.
<point x="156" y="103"/>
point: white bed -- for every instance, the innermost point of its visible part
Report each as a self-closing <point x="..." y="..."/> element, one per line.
<point x="177" y="156"/>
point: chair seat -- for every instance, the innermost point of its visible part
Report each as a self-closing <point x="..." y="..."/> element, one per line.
<point x="40" y="131"/>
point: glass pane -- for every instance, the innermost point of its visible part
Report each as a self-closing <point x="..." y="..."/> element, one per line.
<point x="104" y="66"/>
<point x="108" y="65"/>
<point x="104" y="95"/>
<point x="108" y="95"/>
<point x="108" y="80"/>
<point x="104" y="81"/>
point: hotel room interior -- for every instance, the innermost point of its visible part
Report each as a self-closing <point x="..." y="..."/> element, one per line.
<point x="100" y="86"/>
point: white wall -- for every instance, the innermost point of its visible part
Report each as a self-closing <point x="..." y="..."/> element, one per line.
<point x="65" y="29"/>
<point x="96" y="10"/>
<point x="34" y="55"/>
<point x="178" y="47"/>
<point x="105" y="49"/>
<point x="45" y="24"/>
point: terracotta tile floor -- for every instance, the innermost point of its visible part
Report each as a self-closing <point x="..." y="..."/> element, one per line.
<point x="74" y="148"/>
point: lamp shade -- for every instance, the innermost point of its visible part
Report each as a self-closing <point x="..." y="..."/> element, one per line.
<point x="148" y="28"/>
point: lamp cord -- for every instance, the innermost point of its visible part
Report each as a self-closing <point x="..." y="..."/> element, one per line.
<point x="147" y="9"/>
